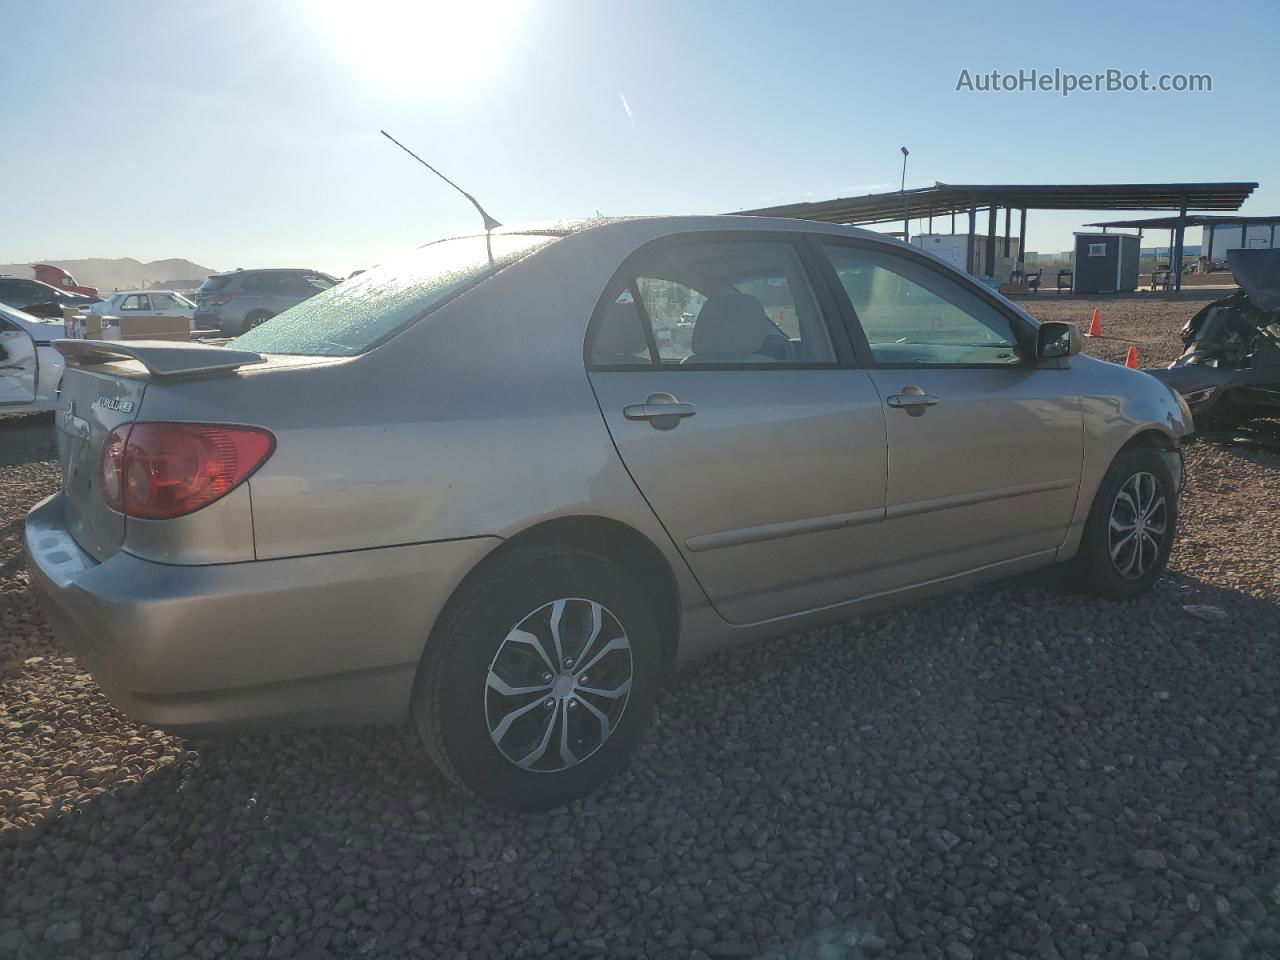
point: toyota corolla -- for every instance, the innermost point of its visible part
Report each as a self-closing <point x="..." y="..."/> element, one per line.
<point x="502" y="487"/>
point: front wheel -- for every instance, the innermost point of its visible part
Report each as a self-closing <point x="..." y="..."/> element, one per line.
<point x="539" y="678"/>
<point x="1131" y="527"/>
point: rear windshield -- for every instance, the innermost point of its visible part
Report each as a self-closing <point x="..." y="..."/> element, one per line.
<point x="212" y="284"/>
<point x="358" y="314"/>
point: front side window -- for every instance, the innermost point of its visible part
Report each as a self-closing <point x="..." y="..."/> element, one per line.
<point x="912" y="314"/>
<point x="721" y="303"/>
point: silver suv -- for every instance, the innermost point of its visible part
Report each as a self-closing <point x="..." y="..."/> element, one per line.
<point x="240" y="300"/>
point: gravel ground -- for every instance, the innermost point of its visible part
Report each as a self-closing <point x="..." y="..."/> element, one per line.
<point x="1018" y="772"/>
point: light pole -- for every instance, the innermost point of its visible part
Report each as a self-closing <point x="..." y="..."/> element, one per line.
<point x="906" y="209"/>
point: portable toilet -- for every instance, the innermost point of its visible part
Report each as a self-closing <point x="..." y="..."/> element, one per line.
<point x="1105" y="263"/>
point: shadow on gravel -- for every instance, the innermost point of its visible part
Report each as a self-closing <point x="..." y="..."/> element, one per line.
<point x="1018" y="771"/>
<point x="27" y="439"/>
<point x="1260" y="435"/>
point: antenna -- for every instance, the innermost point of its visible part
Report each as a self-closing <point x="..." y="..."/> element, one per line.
<point x="489" y="222"/>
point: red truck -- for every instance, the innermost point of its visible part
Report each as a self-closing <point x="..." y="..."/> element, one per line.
<point x="57" y="277"/>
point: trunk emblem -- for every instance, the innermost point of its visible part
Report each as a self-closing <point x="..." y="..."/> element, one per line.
<point x="77" y="426"/>
<point x="111" y="403"/>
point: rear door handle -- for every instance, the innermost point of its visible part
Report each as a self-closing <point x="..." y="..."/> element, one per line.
<point x="913" y="400"/>
<point x="662" y="410"/>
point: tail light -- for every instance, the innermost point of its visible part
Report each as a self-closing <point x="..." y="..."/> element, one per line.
<point x="214" y="300"/>
<point x="155" y="471"/>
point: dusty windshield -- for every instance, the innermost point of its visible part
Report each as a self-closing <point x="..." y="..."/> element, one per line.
<point x="358" y="314"/>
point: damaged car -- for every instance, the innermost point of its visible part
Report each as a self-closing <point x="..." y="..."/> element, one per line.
<point x="1230" y="371"/>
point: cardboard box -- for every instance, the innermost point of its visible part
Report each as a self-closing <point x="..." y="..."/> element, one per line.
<point x="155" y="328"/>
<point x="91" y="326"/>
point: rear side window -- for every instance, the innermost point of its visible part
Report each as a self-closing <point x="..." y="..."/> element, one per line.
<point x="261" y="283"/>
<point x="213" y="285"/>
<point x="361" y="313"/>
<point x="713" y="303"/>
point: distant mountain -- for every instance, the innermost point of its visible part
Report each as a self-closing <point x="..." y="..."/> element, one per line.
<point x="125" y="273"/>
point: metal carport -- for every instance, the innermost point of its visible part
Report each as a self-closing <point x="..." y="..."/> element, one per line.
<point x="947" y="198"/>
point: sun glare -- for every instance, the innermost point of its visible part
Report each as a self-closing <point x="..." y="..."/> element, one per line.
<point x="418" y="44"/>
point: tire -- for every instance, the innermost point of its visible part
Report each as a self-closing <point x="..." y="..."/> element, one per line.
<point x="475" y="659"/>
<point x="1107" y="564"/>
<point x="256" y="320"/>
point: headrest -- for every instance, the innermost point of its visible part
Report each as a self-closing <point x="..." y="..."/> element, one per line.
<point x="734" y="324"/>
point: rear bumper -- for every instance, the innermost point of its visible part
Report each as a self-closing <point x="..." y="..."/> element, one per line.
<point x="305" y="641"/>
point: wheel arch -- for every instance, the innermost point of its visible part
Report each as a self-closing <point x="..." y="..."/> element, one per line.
<point x="626" y="547"/>
<point x="1153" y="438"/>
<point x="616" y="542"/>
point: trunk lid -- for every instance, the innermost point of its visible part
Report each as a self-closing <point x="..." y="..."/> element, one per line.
<point x="103" y="388"/>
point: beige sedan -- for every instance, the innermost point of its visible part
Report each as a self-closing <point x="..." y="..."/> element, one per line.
<point x="502" y="486"/>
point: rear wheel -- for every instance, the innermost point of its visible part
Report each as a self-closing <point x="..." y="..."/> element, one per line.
<point x="256" y="320"/>
<point x="1131" y="527"/>
<point x="539" y="678"/>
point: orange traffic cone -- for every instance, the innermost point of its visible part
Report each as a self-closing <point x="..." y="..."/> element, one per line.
<point x="1131" y="358"/>
<point x="1095" y="324"/>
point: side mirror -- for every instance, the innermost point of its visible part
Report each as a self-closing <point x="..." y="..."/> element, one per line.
<point x="1056" y="339"/>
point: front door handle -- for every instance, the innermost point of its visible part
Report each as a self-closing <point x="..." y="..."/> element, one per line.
<point x="913" y="400"/>
<point x="662" y="410"/>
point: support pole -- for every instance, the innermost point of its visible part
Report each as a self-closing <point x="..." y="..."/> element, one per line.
<point x="1176" y="266"/>
<point x="1273" y="236"/>
<point x="953" y="222"/>
<point x="1022" y="238"/>
<point x="991" y="241"/>
<point x="968" y="247"/>
<point x="1244" y="236"/>
<point x="1008" y="214"/>
<point x="1209" y="253"/>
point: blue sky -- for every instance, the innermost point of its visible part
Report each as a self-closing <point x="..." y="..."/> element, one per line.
<point x="246" y="133"/>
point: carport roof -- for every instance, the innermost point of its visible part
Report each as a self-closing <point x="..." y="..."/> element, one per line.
<point x="1190" y="220"/>
<point x="945" y="198"/>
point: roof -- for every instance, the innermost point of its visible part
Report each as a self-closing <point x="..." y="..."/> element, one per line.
<point x="945" y="198"/>
<point x="1190" y="220"/>
<point x="241" y="270"/>
<point x="124" y="293"/>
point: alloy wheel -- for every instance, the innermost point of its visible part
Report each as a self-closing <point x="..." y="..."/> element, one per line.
<point x="1138" y="526"/>
<point x="558" y="685"/>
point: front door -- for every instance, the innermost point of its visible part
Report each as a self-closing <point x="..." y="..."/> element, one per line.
<point x="745" y="424"/>
<point x="985" y="446"/>
<point x="18" y="364"/>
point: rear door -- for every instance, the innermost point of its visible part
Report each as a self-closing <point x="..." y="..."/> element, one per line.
<point x="19" y="366"/>
<point x="985" y="445"/>
<point x="744" y="421"/>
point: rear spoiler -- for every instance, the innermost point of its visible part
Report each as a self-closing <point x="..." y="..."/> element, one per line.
<point x="162" y="358"/>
